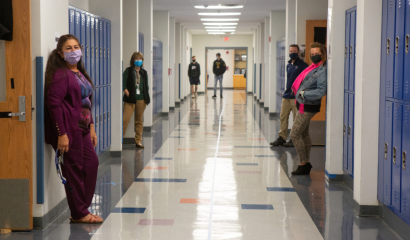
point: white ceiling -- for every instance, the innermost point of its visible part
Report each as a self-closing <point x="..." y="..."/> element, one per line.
<point x="253" y="12"/>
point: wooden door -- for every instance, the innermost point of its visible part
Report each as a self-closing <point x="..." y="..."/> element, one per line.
<point x="16" y="135"/>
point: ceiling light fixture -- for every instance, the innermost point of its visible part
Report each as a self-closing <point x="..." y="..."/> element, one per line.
<point x="219" y="7"/>
<point x="216" y="33"/>
<point x="220" y="14"/>
<point x="219" y="19"/>
<point x="216" y="30"/>
<point x="220" y="27"/>
<point x="220" y="24"/>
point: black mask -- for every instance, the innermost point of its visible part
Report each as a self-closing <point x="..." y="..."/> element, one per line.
<point x="293" y="56"/>
<point x="316" y="59"/>
<point x="194" y="60"/>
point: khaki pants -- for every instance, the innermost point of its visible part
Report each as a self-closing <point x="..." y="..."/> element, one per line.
<point x="287" y="106"/>
<point x="139" y="109"/>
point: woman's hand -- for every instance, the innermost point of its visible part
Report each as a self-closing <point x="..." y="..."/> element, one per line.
<point x="93" y="135"/>
<point x="126" y="92"/>
<point x="63" y="143"/>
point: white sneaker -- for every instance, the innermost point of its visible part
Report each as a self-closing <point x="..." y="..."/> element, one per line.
<point x="196" y="95"/>
<point x="193" y="95"/>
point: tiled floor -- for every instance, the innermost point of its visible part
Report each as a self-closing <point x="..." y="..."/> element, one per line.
<point x="207" y="172"/>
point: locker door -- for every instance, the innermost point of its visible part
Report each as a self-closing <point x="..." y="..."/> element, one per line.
<point x="105" y="117"/>
<point x="391" y="18"/>
<point x="92" y="50"/>
<point x="347" y="49"/>
<point x="345" y="132"/>
<point x="103" y="40"/>
<point x="87" y="44"/>
<point x="406" y="83"/>
<point x="352" y="53"/>
<point x="97" y="118"/>
<point x="101" y="130"/>
<point x="405" y="179"/>
<point x="387" y="166"/>
<point x="77" y="24"/>
<point x="109" y="51"/>
<point x="105" y="53"/>
<point x="71" y="23"/>
<point x="82" y="37"/>
<point x="97" y="51"/>
<point x="109" y="116"/>
<point x="399" y="50"/>
<point x="101" y="37"/>
<point x="396" y="166"/>
<point x="350" y="135"/>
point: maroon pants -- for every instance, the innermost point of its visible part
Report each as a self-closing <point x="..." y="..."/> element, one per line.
<point x="80" y="169"/>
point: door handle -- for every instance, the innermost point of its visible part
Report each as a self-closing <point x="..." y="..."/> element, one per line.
<point x="394" y="155"/>
<point x="345" y="51"/>
<point x="388" y="46"/>
<point x="351" y="51"/>
<point x="407" y="43"/>
<point x="344" y="129"/>
<point x="350" y="129"/>
<point x="385" y="151"/>
<point x="21" y="113"/>
<point x="397" y="45"/>
<point x="404" y="160"/>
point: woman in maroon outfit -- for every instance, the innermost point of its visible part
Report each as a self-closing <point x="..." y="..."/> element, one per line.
<point x="69" y="125"/>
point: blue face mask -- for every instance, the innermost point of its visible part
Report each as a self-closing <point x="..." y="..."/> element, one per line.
<point x="138" y="63"/>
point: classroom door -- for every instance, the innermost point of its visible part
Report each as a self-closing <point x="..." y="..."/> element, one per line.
<point x="16" y="125"/>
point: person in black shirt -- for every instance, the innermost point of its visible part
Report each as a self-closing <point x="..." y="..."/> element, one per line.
<point x="219" y="68"/>
<point x="294" y="68"/>
<point x="194" y="72"/>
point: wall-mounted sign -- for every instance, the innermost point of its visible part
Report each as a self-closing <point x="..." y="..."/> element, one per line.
<point x="226" y="39"/>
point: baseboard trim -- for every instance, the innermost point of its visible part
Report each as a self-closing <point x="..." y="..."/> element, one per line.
<point x="171" y="108"/>
<point x="393" y="221"/>
<point x="227" y="88"/>
<point x="48" y="218"/>
<point x="128" y="141"/>
<point x="146" y="129"/>
<point x="177" y="104"/>
<point x="104" y="157"/>
<point x="164" y="114"/>
<point x="274" y="114"/>
<point x="348" y="181"/>
<point x="365" y="210"/>
<point x="333" y="177"/>
<point x="115" y="154"/>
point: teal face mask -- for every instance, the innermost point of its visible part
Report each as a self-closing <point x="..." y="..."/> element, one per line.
<point x="138" y="63"/>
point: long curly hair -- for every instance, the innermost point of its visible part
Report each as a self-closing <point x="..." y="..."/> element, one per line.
<point x="55" y="62"/>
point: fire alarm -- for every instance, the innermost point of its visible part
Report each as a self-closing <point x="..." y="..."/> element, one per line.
<point x="226" y="39"/>
<point x="227" y="52"/>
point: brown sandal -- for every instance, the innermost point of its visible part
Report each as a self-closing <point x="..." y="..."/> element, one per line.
<point x="91" y="220"/>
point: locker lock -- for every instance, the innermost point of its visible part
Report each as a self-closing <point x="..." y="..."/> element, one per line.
<point x="96" y="51"/>
<point x="344" y="129"/>
<point x="394" y="155"/>
<point x="108" y="50"/>
<point x="96" y="121"/>
<point x="407" y="43"/>
<point x="351" y="51"/>
<point x="100" y="51"/>
<point x="397" y="45"/>
<point x="388" y="46"/>
<point x="104" y="52"/>
<point x="87" y="51"/>
<point x="345" y="51"/>
<point x="385" y="151"/>
<point x="108" y="116"/>
<point x="350" y="129"/>
<point x="404" y="160"/>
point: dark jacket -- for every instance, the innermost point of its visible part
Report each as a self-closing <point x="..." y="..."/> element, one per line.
<point x="62" y="107"/>
<point x="196" y="72"/>
<point x="129" y="84"/>
<point x="293" y="72"/>
<point x="219" y="67"/>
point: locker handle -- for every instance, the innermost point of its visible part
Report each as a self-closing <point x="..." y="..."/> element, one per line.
<point x="96" y="51"/>
<point x="397" y="45"/>
<point x="108" y="115"/>
<point x="100" y="52"/>
<point x="385" y="150"/>
<point x="101" y="119"/>
<point x="108" y="50"/>
<point x="394" y="155"/>
<point x="404" y="160"/>
<point x="91" y="50"/>
<point x="351" y="51"/>
<point x="407" y="43"/>
<point x="345" y="51"/>
<point x="350" y="129"/>
<point x="105" y="117"/>
<point x="82" y="47"/>
<point x="388" y="46"/>
<point x="87" y="50"/>
<point x="344" y="129"/>
<point x="96" y="121"/>
<point x="104" y="52"/>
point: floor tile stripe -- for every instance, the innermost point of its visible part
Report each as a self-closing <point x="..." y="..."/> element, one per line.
<point x="247" y="164"/>
<point x="280" y="189"/>
<point x="128" y="210"/>
<point x="160" y="158"/>
<point x="159" y="180"/>
<point x="257" y="207"/>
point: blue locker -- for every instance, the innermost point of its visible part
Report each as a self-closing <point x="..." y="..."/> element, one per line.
<point x="396" y="166"/>
<point x="101" y="57"/>
<point x="406" y="82"/>
<point x="350" y="146"/>
<point x="103" y="40"/>
<point x="101" y="130"/>
<point x="77" y="24"/>
<point x="352" y="50"/>
<point x="347" y="49"/>
<point x="109" y="115"/>
<point x="92" y="50"/>
<point x="405" y="177"/>
<point x="97" y="51"/>
<point x="82" y="36"/>
<point x="87" y="44"/>
<point x="345" y="131"/>
<point x="391" y="26"/>
<point x="97" y="118"/>
<point x="388" y="140"/>
<point x="71" y="23"/>
<point x="399" y="50"/>
<point x="105" y="117"/>
<point x="109" y="51"/>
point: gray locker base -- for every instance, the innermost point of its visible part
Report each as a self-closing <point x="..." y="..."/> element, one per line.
<point x="348" y="181"/>
<point x="171" y="108"/>
<point x="365" y="210"/>
<point x="147" y="129"/>
<point x="44" y="221"/>
<point x="128" y="141"/>
<point x="274" y="114"/>
<point x="164" y="114"/>
<point x="115" y="154"/>
<point x="393" y="221"/>
<point x="177" y="104"/>
<point x="14" y="203"/>
<point x="317" y="130"/>
<point x="335" y="178"/>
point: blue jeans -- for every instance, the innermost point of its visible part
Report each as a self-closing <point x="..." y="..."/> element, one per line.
<point x="220" y="78"/>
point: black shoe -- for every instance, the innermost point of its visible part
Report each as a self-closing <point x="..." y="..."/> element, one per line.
<point x="303" y="170"/>
<point x="289" y="144"/>
<point x="221" y="96"/>
<point x="214" y="96"/>
<point x="279" y="142"/>
<point x="139" y="145"/>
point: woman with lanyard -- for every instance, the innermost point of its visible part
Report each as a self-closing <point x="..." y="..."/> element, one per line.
<point x="309" y="88"/>
<point x="69" y="125"/>
<point x="136" y="95"/>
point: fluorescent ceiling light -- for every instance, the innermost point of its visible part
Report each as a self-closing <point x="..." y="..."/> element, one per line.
<point x="220" y="27"/>
<point x="219" y="7"/>
<point x="220" y="24"/>
<point x="215" y="30"/>
<point x="219" y="19"/>
<point x="216" y="33"/>
<point x="220" y="14"/>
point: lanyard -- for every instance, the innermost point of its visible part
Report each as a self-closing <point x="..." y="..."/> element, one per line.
<point x="59" y="159"/>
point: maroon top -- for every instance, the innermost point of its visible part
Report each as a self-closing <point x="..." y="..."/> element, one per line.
<point x="63" y="107"/>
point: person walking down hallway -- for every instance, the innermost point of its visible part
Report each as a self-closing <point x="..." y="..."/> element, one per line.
<point x="294" y="68"/>
<point x="69" y="125"/>
<point x="219" y="68"/>
<point x="136" y="95"/>
<point x="194" y="72"/>
<point x="309" y="88"/>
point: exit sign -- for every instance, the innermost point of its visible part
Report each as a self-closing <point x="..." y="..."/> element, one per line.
<point x="226" y="39"/>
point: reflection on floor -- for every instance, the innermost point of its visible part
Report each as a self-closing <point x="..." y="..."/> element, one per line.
<point x="207" y="172"/>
